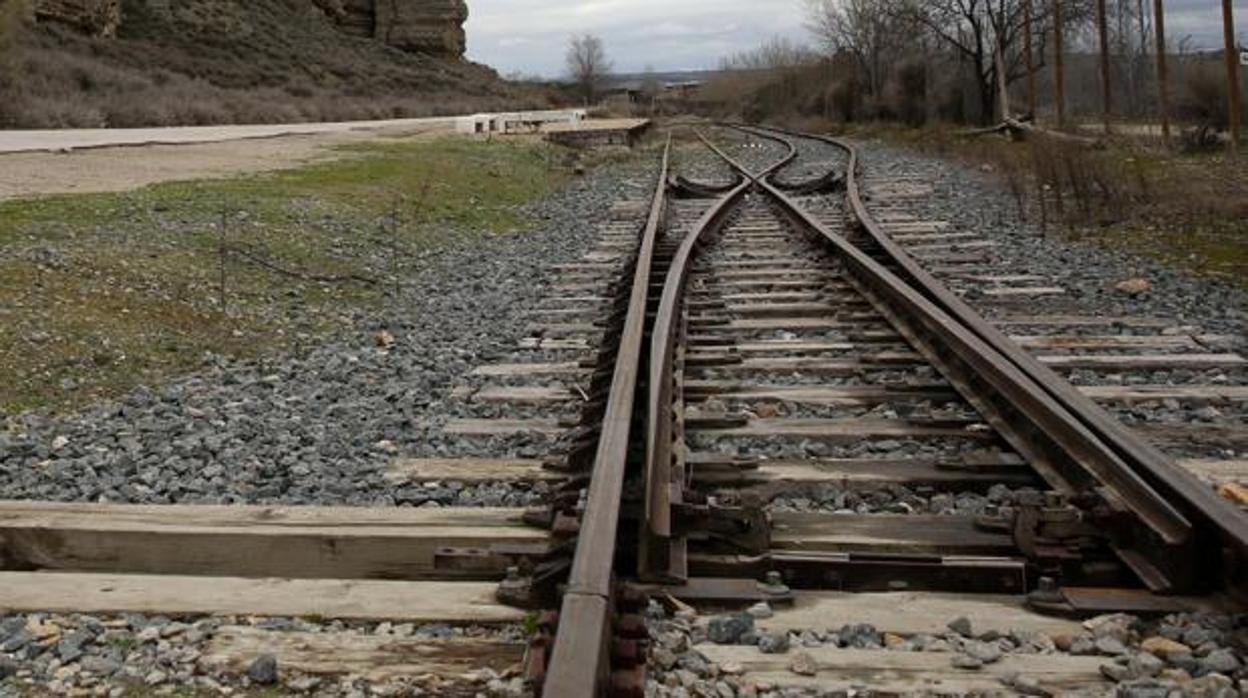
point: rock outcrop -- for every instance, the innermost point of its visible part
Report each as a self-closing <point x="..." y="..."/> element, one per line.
<point x="354" y="17"/>
<point x="434" y="27"/>
<point x="91" y="17"/>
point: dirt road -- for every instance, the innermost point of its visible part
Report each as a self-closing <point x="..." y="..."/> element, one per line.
<point x="235" y="150"/>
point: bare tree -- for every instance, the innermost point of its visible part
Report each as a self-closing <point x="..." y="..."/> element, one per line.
<point x="868" y="30"/>
<point x="776" y="52"/>
<point x="651" y="88"/>
<point x="988" y="35"/>
<point x="588" y="65"/>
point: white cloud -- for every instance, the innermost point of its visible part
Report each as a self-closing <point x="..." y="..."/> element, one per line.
<point x="530" y="35"/>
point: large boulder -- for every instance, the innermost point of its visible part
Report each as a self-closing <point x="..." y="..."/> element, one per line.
<point x="435" y="27"/>
<point x="91" y="17"/>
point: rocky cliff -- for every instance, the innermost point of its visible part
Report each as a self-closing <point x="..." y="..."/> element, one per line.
<point x="175" y="62"/>
<point x="433" y="27"/>
<point x="91" y="17"/>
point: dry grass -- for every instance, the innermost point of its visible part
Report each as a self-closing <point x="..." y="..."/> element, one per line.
<point x="1187" y="209"/>
<point x="101" y="292"/>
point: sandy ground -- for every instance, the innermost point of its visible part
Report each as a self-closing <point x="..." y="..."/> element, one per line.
<point x="78" y="138"/>
<point x="107" y="169"/>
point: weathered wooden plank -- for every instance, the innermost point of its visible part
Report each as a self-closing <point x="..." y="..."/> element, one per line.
<point x="952" y="246"/>
<point x="859" y="473"/>
<point x="730" y="284"/>
<point x="545" y="344"/>
<point x="468" y="470"/>
<point x="816" y="394"/>
<point x="999" y="278"/>
<point x="421" y="602"/>
<point x="501" y="370"/>
<point x="843" y="430"/>
<point x="773" y="273"/>
<point x="493" y="427"/>
<point x="788" y="346"/>
<point x="1218" y="471"/>
<point x="250" y="541"/>
<point x="1200" y="435"/>
<point x="377" y="658"/>
<point x="770" y="297"/>
<point x="563" y="329"/>
<point x="907" y="673"/>
<point x="798" y="323"/>
<point x="886" y="533"/>
<point x="912" y="613"/>
<point x="952" y="258"/>
<point x="1145" y="361"/>
<point x="791" y="309"/>
<point x="807" y="364"/>
<point x="1080" y="321"/>
<point x="1182" y="393"/>
<point x="1116" y="341"/>
<point x="1023" y="291"/>
<point x="528" y="394"/>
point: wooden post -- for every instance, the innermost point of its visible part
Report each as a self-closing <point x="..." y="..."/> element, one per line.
<point x="1059" y="72"/>
<point x="1232" y="71"/>
<point x="1163" y="87"/>
<point x="1102" y="27"/>
<point x="1002" y="85"/>
<point x="1031" y="66"/>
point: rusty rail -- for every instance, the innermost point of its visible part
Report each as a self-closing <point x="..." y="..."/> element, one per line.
<point x="580" y="664"/>
<point x="1070" y="439"/>
<point x="661" y="553"/>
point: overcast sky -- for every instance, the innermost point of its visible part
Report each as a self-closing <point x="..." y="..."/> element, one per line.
<point x="530" y="36"/>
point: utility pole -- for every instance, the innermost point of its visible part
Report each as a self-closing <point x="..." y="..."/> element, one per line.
<point x="1232" y="71"/>
<point x="1031" y="66"/>
<point x="1103" y="29"/>
<point x="1163" y="88"/>
<point x="1059" y="73"/>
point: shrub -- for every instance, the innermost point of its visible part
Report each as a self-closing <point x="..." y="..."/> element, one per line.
<point x="1204" y="100"/>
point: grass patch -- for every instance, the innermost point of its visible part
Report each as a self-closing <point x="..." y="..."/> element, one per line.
<point x="101" y="292"/>
<point x="1188" y="210"/>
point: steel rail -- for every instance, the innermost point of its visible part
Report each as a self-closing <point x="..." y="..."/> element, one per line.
<point x="580" y="665"/>
<point x="1143" y="479"/>
<point x="661" y="555"/>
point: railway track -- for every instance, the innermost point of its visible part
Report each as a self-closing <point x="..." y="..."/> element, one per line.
<point x="796" y="343"/>
<point x="764" y="388"/>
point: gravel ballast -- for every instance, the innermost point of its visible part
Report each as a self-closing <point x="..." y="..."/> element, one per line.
<point x="320" y="427"/>
<point x="978" y="202"/>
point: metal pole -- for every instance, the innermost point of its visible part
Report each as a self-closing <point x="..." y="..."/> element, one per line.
<point x="1102" y="27"/>
<point x="1031" y="66"/>
<point x="1059" y="73"/>
<point x="1232" y="71"/>
<point x="1163" y="88"/>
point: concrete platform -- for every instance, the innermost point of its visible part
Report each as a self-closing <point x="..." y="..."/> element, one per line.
<point x="597" y="132"/>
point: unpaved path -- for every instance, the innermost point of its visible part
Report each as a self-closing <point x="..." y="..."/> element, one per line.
<point x="78" y="139"/>
<point x="122" y="168"/>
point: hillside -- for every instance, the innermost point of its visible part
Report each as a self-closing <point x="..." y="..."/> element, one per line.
<point x="178" y="62"/>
